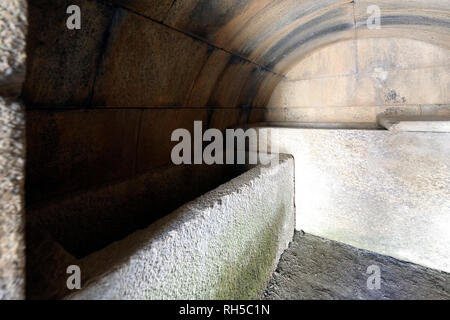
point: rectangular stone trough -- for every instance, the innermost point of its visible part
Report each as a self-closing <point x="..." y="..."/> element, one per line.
<point x="222" y="245"/>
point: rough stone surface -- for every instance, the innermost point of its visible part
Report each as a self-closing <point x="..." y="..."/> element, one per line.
<point x="224" y="245"/>
<point x="197" y="53"/>
<point x="156" y="66"/>
<point x="80" y="224"/>
<point x="316" y="268"/>
<point x="155" y="9"/>
<point x="208" y="77"/>
<point x="13" y="26"/>
<point x="375" y="190"/>
<point x="12" y="154"/>
<point x="62" y="63"/>
<point x="356" y="80"/>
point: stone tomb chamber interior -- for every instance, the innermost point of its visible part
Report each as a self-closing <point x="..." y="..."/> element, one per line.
<point x="354" y="96"/>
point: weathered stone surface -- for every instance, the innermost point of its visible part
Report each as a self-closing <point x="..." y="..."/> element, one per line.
<point x="13" y="25"/>
<point x="12" y="160"/>
<point x="138" y="62"/>
<point x="355" y="81"/>
<point x="204" y="18"/>
<point x="242" y="26"/>
<point x="157" y="125"/>
<point x="329" y="115"/>
<point x="156" y="66"/>
<point x="320" y="269"/>
<point x="63" y="63"/>
<point x="375" y="190"/>
<point x="71" y="150"/>
<point x="223" y="245"/>
<point x="336" y="60"/>
<point x="399" y="54"/>
<point x="415" y="123"/>
<point x="80" y="224"/>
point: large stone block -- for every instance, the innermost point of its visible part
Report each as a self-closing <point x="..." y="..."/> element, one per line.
<point x="13" y="26"/>
<point x="65" y="231"/>
<point x="63" y="63"/>
<point x="383" y="55"/>
<point x="12" y="160"/>
<point x="156" y="66"/>
<point x="314" y="268"/>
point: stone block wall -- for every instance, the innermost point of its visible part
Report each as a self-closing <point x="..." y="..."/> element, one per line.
<point x="401" y="67"/>
<point x="357" y="80"/>
<point x="223" y="245"/>
<point x="13" y="25"/>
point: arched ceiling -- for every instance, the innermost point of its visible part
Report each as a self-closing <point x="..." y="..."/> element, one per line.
<point x="205" y="52"/>
<point x="275" y="35"/>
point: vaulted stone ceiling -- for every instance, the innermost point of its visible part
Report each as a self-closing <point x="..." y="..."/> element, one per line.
<point x="275" y="35"/>
<point x="227" y="52"/>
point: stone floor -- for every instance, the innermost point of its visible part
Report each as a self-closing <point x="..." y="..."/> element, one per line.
<point x="316" y="268"/>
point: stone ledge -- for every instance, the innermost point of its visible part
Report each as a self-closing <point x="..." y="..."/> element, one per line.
<point x="415" y="123"/>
